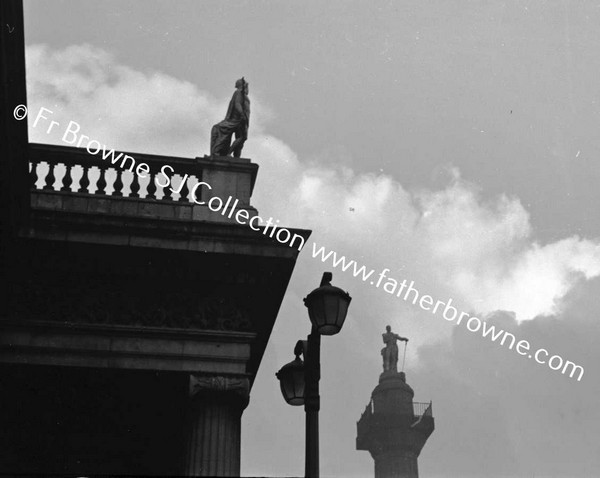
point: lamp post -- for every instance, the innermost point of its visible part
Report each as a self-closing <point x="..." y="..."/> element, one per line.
<point x="299" y="381"/>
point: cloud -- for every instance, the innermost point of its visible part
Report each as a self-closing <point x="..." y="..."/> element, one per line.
<point x="450" y="241"/>
<point x="117" y="105"/>
<point x="486" y="253"/>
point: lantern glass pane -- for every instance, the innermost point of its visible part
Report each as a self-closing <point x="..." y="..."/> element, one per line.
<point x="343" y="311"/>
<point x="288" y="386"/>
<point x="332" y="306"/>
<point x="319" y="312"/>
<point x="337" y="307"/>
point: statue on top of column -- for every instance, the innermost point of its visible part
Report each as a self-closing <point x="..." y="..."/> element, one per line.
<point x="237" y="121"/>
<point x="390" y="351"/>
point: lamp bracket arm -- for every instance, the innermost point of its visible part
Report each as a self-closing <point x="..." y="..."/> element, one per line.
<point x="301" y="348"/>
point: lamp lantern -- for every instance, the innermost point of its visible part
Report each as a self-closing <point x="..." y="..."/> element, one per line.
<point x="327" y="306"/>
<point x="291" y="381"/>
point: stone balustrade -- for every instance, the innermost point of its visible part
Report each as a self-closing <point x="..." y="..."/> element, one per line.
<point x="75" y="180"/>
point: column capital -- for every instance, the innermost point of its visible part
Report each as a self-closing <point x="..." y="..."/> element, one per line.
<point x="238" y="385"/>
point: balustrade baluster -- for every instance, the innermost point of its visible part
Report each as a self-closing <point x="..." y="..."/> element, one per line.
<point x="167" y="194"/>
<point x="134" y="187"/>
<point x="101" y="184"/>
<point x="184" y="191"/>
<point x="33" y="178"/>
<point x="151" y="188"/>
<point x="118" y="184"/>
<point x="67" y="179"/>
<point x="84" y="182"/>
<point x="49" y="185"/>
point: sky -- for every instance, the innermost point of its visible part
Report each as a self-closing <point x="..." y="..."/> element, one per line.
<point x="453" y="142"/>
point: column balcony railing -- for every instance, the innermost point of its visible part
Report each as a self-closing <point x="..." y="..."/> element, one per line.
<point x="422" y="408"/>
<point x="419" y="409"/>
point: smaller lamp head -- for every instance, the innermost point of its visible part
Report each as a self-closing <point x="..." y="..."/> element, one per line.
<point x="291" y="381"/>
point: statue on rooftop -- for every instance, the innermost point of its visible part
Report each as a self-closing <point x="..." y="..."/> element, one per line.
<point x="390" y="351"/>
<point x="237" y="121"/>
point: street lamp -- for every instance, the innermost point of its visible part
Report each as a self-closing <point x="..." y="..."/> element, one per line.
<point x="299" y="381"/>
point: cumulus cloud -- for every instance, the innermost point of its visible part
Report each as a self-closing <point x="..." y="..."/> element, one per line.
<point x="451" y="240"/>
<point x="117" y="105"/>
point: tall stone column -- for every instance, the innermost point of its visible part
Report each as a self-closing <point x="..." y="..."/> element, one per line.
<point x="214" y="425"/>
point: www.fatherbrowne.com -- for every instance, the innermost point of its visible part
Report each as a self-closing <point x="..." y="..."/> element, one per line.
<point x="72" y="135"/>
<point x="474" y="324"/>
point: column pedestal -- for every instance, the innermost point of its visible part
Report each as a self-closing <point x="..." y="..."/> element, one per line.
<point x="214" y="421"/>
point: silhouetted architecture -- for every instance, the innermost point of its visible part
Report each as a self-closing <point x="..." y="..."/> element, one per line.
<point x="393" y="428"/>
<point x="136" y="320"/>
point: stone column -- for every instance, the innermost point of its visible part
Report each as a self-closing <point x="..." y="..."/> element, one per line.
<point x="214" y="423"/>
<point x="392" y="464"/>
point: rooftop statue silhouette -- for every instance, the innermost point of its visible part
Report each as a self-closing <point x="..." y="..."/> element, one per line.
<point x="237" y="121"/>
<point x="390" y="351"/>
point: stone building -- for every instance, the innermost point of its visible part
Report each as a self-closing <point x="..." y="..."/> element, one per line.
<point x="135" y="321"/>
